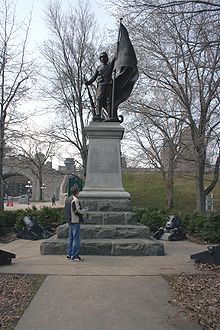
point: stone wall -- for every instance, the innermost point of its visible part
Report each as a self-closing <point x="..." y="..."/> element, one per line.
<point x="52" y="179"/>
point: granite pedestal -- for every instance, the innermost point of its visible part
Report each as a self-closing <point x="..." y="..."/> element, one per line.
<point x="110" y="227"/>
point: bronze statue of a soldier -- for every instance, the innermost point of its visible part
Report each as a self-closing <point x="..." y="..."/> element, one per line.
<point x="103" y="76"/>
<point x="115" y="79"/>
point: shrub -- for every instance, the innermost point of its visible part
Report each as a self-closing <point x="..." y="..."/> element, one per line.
<point x="9" y="217"/>
<point x="3" y="228"/>
<point x="194" y="223"/>
<point x="153" y="218"/>
<point x="139" y="212"/>
<point x="8" y="220"/>
<point x="48" y="217"/>
<point x="205" y="227"/>
<point x="211" y="229"/>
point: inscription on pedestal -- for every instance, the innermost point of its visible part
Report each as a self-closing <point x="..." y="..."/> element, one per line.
<point x="103" y="159"/>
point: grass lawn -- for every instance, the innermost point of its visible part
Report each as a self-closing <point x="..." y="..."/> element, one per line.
<point x="147" y="190"/>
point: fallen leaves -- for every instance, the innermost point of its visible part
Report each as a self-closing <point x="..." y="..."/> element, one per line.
<point x="16" y="292"/>
<point x="199" y="295"/>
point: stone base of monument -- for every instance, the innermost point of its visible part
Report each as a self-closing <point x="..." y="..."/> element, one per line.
<point x="110" y="227"/>
<point x="107" y="233"/>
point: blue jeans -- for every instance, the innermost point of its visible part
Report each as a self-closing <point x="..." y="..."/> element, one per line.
<point x="73" y="245"/>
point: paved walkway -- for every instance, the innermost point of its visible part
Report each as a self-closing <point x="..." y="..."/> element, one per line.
<point x="104" y="292"/>
<point x="17" y="206"/>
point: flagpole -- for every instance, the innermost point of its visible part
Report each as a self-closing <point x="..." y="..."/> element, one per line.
<point x="113" y="114"/>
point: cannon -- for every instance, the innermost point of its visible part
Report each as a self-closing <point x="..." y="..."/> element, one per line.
<point x="172" y="230"/>
<point x="32" y="230"/>
<point x="211" y="256"/>
<point x="5" y="257"/>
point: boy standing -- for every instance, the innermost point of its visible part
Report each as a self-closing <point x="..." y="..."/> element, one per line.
<point x="73" y="215"/>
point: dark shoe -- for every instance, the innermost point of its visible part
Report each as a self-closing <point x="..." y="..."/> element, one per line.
<point x="68" y="257"/>
<point x="77" y="259"/>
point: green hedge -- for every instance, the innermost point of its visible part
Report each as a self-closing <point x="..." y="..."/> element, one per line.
<point x="205" y="227"/>
<point x="152" y="217"/>
<point x="48" y="217"/>
<point x="8" y="221"/>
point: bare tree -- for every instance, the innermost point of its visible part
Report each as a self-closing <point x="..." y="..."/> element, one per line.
<point x="157" y="140"/>
<point x="35" y="153"/>
<point x="14" y="73"/>
<point x="180" y="54"/>
<point x="140" y="6"/>
<point x="70" y="56"/>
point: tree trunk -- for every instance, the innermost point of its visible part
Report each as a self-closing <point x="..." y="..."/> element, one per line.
<point x="1" y="170"/>
<point x="41" y="185"/>
<point x="2" y="131"/>
<point x="169" y="185"/>
<point x="169" y="192"/>
<point x="200" y="193"/>
<point x="169" y="175"/>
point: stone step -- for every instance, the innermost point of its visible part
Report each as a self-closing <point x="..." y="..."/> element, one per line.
<point x="114" y="247"/>
<point x="107" y="218"/>
<point x="107" y="231"/>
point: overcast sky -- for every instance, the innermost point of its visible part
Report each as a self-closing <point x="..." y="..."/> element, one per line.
<point x="38" y="33"/>
<point x="38" y="29"/>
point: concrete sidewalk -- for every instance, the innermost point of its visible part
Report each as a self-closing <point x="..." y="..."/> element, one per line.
<point x="104" y="292"/>
<point x="18" y="206"/>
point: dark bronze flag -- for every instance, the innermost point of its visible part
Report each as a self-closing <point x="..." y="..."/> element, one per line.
<point x="125" y="67"/>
